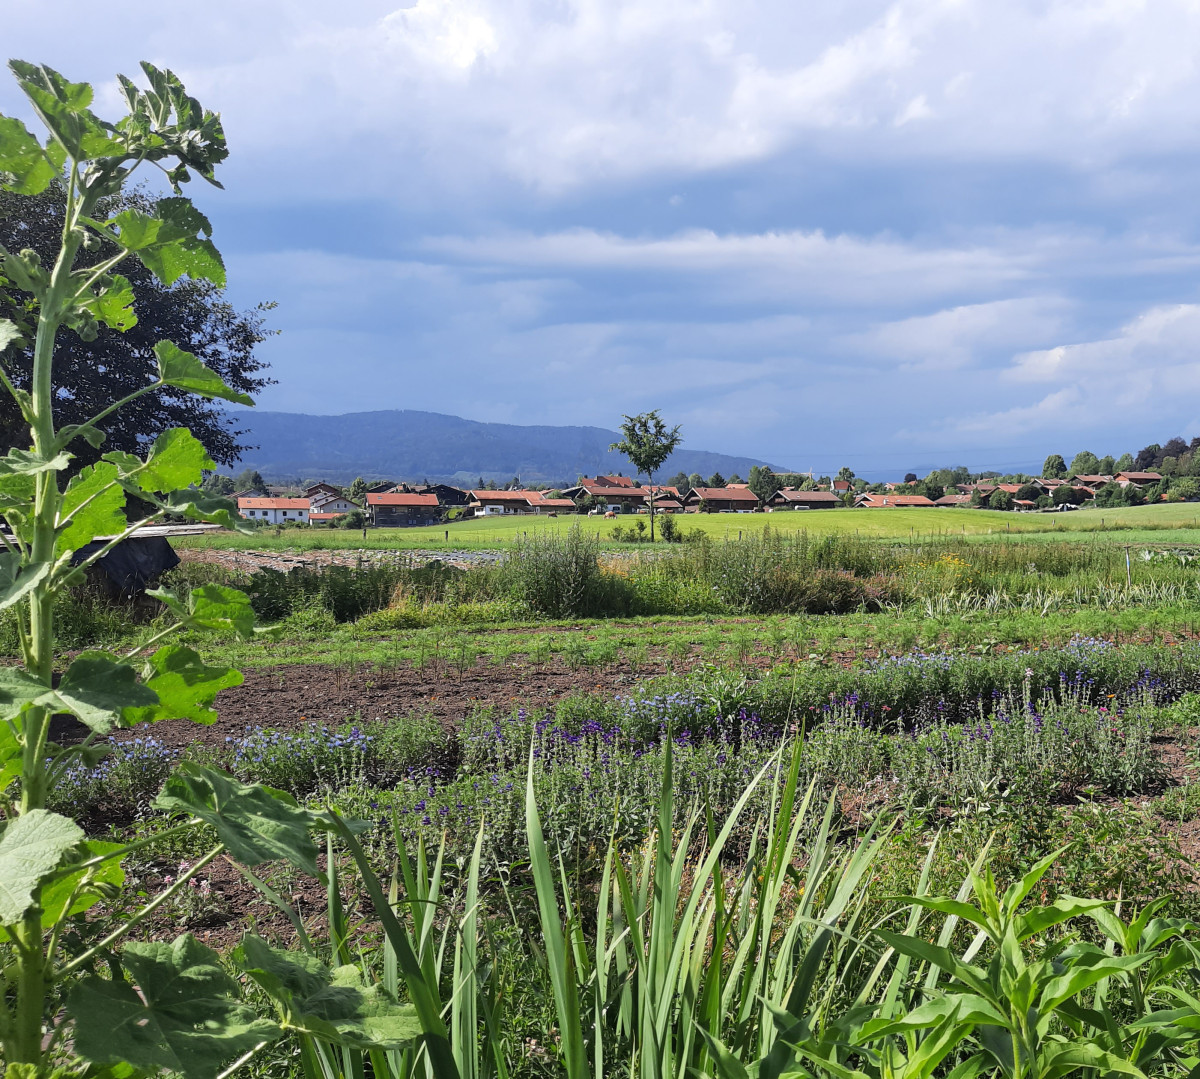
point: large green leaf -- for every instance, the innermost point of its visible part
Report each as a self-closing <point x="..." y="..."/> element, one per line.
<point x="211" y="606"/>
<point x="23" y="159"/>
<point x="19" y="462"/>
<point x="75" y="892"/>
<point x="177" y="459"/>
<point x="217" y="606"/>
<point x="183" y="1016"/>
<point x="10" y="757"/>
<point x="17" y="580"/>
<point x="180" y="248"/>
<point x="184" y="685"/>
<point x="103" y="514"/>
<point x="184" y="370"/>
<point x="98" y="688"/>
<point x="198" y="505"/>
<point x="63" y="107"/>
<point x="31" y="847"/>
<point x="18" y="690"/>
<point x="256" y="823"/>
<point x="111" y="302"/>
<point x="9" y="330"/>
<point x="333" y="1004"/>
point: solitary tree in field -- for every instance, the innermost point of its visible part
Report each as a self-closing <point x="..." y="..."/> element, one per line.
<point x="647" y="442"/>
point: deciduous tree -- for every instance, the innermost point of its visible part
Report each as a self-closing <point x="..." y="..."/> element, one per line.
<point x="647" y="442"/>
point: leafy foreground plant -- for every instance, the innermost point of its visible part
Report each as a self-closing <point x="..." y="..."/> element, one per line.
<point x="163" y="1007"/>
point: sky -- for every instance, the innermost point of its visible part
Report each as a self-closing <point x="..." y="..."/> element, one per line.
<point x="889" y="235"/>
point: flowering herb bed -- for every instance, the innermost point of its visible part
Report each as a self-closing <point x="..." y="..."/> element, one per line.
<point x="921" y="731"/>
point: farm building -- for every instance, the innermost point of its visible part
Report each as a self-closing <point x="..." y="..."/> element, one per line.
<point x="393" y="510"/>
<point x="613" y="492"/>
<point x="720" y="500"/>
<point x="506" y="503"/>
<point x="1137" y="479"/>
<point x="889" y="501"/>
<point x="274" y="510"/>
<point x="791" y="499"/>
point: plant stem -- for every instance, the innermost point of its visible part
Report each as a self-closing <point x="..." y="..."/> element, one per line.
<point x="25" y="1043"/>
<point x="140" y="916"/>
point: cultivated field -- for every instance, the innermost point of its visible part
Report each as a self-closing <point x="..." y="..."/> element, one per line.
<point x="867" y="718"/>
<point x="1135" y="523"/>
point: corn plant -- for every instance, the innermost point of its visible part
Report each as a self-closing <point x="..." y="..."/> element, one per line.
<point x="162" y="1006"/>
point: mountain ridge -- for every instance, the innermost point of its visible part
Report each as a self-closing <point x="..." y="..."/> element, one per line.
<point x="412" y="445"/>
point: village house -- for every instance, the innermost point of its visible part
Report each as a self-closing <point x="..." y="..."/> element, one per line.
<point x="614" y="493"/>
<point x="399" y="510"/>
<point x="720" y="500"/>
<point x="841" y="487"/>
<point x="789" y="498"/>
<point x="953" y="500"/>
<point x="274" y="511"/>
<point x="890" y="501"/>
<point x="1137" y="479"/>
<point x="327" y="504"/>
<point x="1092" y="483"/>
<point x="486" y="503"/>
<point x="322" y="491"/>
<point x="446" y="494"/>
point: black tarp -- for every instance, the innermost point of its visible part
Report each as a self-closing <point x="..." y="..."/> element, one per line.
<point x="134" y="564"/>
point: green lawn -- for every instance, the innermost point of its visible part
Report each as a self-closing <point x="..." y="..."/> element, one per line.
<point x="1133" y="524"/>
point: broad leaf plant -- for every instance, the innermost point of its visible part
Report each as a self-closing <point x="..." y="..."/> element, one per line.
<point x="113" y="1007"/>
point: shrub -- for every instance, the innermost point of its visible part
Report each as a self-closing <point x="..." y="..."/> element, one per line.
<point x="559" y="576"/>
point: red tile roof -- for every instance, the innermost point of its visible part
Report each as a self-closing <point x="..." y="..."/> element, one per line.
<point x="611" y="481"/>
<point x="505" y="496"/>
<point x="1140" y="477"/>
<point x="273" y="503"/>
<point x="724" y="494"/>
<point x="400" y="499"/>
<point x="871" y="501"/>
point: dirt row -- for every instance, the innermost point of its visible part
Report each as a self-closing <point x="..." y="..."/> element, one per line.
<point x="237" y="561"/>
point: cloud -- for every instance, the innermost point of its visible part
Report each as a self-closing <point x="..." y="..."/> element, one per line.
<point x="789" y="225"/>
<point x="802" y="265"/>
<point x="958" y="337"/>
<point x="1161" y="343"/>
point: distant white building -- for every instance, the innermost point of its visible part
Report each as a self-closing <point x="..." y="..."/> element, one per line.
<point x="274" y="510"/>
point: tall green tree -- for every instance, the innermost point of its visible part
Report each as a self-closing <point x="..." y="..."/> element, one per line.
<point x="764" y="482"/>
<point x="647" y="442"/>
<point x="716" y="480"/>
<point x="1054" y="467"/>
<point x="110" y="363"/>
<point x="1084" y="463"/>
<point x="250" y="479"/>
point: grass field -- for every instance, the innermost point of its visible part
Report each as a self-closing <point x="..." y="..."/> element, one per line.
<point x="1133" y="524"/>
